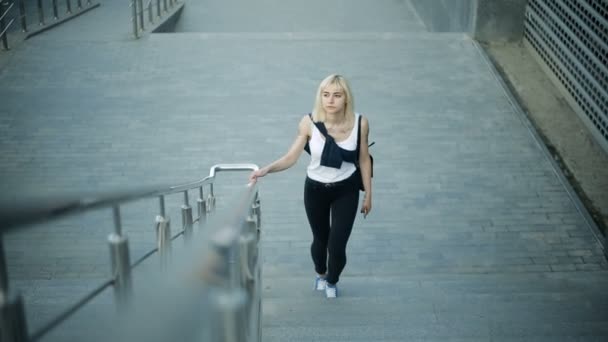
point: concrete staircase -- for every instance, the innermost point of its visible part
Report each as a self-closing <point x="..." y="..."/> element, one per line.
<point x="472" y="236"/>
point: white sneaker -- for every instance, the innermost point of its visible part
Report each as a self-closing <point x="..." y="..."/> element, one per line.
<point x="331" y="291"/>
<point x="320" y="283"/>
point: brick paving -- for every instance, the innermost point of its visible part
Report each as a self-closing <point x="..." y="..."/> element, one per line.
<point x="472" y="236"/>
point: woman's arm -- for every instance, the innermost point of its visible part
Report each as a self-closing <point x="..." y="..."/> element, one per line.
<point x="365" y="165"/>
<point x="292" y="155"/>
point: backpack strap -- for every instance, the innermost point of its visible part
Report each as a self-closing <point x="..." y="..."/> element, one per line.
<point x="358" y="139"/>
<point x="320" y="126"/>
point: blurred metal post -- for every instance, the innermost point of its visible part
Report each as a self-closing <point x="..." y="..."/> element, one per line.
<point x="121" y="261"/>
<point x="79" y="3"/>
<point x="121" y="267"/>
<point x="140" y="13"/>
<point x="165" y="5"/>
<point x="150" y="12"/>
<point x="202" y="208"/>
<point x="257" y="297"/>
<point x="163" y="238"/>
<point x="13" y="327"/>
<point x="40" y="13"/>
<point x="228" y="303"/>
<point x="55" y="11"/>
<point x="3" y="270"/>
<point x="251" y="280"/>
<point x="256" y="211"/>
<point x="68" y="4"/>
<point x="3" y="26"/>
<point x="158" y="8"/>
<point x="134" y="18"/>
<point x="22" y="15"/>
<point x="187" y="217"/>
<point x="163" y="235"/>
<point x="210" y="203"/>
<point x="210" y="199"/>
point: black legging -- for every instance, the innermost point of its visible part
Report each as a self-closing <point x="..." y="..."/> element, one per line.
<point x="341" y="200"/>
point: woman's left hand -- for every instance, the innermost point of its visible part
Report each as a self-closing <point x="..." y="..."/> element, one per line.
<point x="366" y="207"/>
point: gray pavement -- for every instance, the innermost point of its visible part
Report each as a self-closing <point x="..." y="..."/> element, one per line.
<point x="472" y="236"/>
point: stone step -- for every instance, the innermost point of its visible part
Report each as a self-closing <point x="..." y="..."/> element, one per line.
<point x="363" y="36"/>
<point x="464" y="307"/>
<point x="281" y="16"/>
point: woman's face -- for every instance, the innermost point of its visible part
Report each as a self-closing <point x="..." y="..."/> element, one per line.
<point x="334" y="99"/>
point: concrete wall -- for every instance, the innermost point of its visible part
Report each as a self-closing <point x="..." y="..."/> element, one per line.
<point x="446" y="15"/>
<point x="499" y="21"/>
<point x="168" y="25"/>
<point x="485" y="20"/>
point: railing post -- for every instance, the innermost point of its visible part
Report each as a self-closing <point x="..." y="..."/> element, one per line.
<point x="68" y="4"/>
<point x="3" y="26"/>
<point x="79" y="3"/>
<point x="187" y="217"/>
<point x="228" y="298"/>
<point x="40" y="13"/>
<point x="134" y="18"/>
<point x="22" y="15"/>
<point x="55" y="11"/>
<point x="163" y="235"/>
<point x="228" y="304"/>
<point x="150" y="12"/>
<point x="210" y="199"/>
<point x="13" y="327"/>
<point x="165" y="5"/>
<point x="121" y="261"/>
<point x="256" y="211"/>
<point x="158" y="8"/>
<point x="257" y="321"/>
<point x="251" y="277"/>
<point x="202" y="207"/>
<point x="141" y="14"/>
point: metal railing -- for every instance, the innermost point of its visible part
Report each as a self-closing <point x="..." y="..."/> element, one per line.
<point x="4" y="26"/>
<point x="55" y="7"/>
<point x="228" y="268"/>
<point x="153" y="9"/>
<point x="40" y="13"/>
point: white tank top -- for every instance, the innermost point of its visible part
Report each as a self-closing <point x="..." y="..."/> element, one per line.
<point x="324" y="174"/>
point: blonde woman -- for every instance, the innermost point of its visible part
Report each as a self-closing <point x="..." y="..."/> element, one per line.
<point x="331" y="189"/>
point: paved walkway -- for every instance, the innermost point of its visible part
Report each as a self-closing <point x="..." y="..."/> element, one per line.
<point x="472" y="236"/>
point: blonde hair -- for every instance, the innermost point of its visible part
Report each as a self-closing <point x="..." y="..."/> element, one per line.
<point x="318" y="113"/>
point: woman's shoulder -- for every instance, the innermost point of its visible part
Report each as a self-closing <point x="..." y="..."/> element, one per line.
<point x="306" y="119"/>
<point x="305" y="123"/>
<point x="363" y="117"/>
<point x="364" y="122"/>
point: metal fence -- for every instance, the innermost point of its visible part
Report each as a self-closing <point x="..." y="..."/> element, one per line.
<point x="222" y="266"/>
<point x="570" y="39"/>
<point x="152" y="12"/>
<point x="45" y="14"/>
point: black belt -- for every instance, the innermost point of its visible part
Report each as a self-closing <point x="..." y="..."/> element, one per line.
<point x="347" y="181"/>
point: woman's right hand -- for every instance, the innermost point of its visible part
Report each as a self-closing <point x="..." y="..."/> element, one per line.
<point x="253" y="177"/>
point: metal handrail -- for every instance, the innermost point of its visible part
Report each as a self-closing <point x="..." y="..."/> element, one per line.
<point x="25" y="212"/>
<point x="235" y="237"/>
